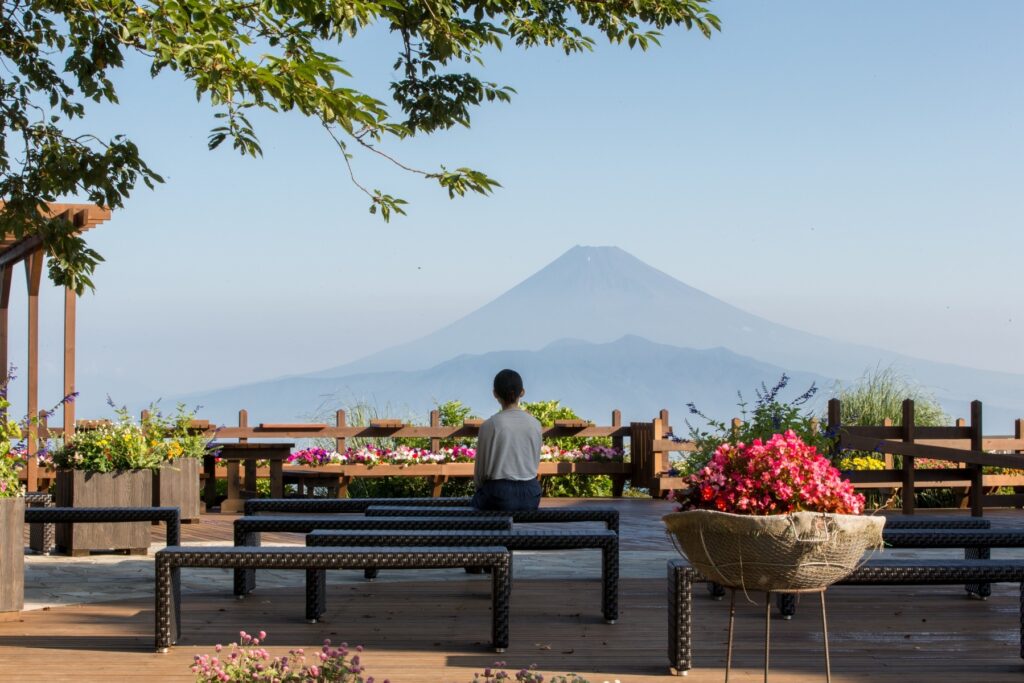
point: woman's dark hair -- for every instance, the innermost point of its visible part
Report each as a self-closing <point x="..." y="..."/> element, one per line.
<point x="508" y="386"/>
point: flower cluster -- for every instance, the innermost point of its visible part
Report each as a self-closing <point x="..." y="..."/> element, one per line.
<point x="783" y="475"/>
<point x="248" y="661"/>
<point x="529" y="675"/>
<point x="311" y="457"/>
<point x="126" y="444"/>
<point x="581" y="454"/>
<point x="371" y="455"/>
<point x="861" y="462"/>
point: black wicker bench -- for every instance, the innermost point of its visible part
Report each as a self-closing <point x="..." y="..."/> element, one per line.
<point x="607" y="516"/>
<point x="681" y="577"/>
<point x="248" y="529"/>
<point x="171" y="560"/>
<point x="42" y="537"/>
<point x="606" y="541"/>
<point x="909" y="522"/>
<point x="976" y="541"/>
<point x="298" y="506"/>
<point x="53" y="515"/>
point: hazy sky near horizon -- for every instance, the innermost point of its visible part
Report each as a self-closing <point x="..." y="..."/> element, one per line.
<point x="852" y="173"/>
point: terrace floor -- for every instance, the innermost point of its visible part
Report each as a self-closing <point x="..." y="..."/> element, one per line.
<point x="94" y="619"/>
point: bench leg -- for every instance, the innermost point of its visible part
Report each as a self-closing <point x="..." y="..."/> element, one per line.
<point x="610" y="582"/>
<point x="680" y="603"/>
<point x="501" y="596"/>
<point x="167" y="598"/>
<point x="787" y="604"/>
<point x="316" y="594"/>
<point x="245" y="579"/>
<point x="981" y="590"/>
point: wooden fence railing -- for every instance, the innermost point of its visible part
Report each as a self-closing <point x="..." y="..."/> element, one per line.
<point x="340" y="432"/>
<point x="963" y="444"/>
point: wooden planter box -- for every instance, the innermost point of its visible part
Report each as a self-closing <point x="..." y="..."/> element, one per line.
<point x="131" y="488"/>
<point x="176" y="485"/>
<point x="12" y="557"/>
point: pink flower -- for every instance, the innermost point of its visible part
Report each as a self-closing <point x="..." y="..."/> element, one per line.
<point x="781" y="475"/>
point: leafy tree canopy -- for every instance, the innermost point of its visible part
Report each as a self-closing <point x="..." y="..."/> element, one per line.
<point x="242" y="55"/>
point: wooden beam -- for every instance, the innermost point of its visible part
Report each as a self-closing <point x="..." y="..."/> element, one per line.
<point x="70" y="314"/>
<point x="21" y="250"/>
<point x="33" y="277"/>
<point x="936" y="452"/>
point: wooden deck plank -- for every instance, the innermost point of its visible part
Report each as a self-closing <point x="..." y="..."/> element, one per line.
<point x="437" y="631"/>
<point x="434" y="631"/>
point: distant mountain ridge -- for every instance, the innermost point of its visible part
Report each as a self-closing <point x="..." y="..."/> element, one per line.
<point x="633" y="374"/>
<point x="585" y="301"/>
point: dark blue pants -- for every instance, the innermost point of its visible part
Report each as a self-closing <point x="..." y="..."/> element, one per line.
<point x="508" y="494"/>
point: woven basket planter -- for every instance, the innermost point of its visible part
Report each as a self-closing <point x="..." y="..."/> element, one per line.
<point x="797" y="552"/>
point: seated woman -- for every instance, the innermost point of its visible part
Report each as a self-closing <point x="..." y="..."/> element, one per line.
<point x="508" y="452"/>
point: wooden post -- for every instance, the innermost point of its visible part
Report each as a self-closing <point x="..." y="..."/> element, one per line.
<point x="618" y="481"/>
<point x="5" y="299"/>
<point x="339" y="420"/>
<point x="1018" y="434"/>
<point x="70" y="305"/>
<point x="834" y="423"/>
<point x="640" y="452"/>
<point x="250" y="464"/>
<point x="887" y="457"/>
<point x="977" y="479"/>
<point x="340" y="444"/>
<point x="435" y="442"/>
<point x="33" y="277"/>
<point x="659" y="459"/>
<point x="435" y="446"/>
<point x="908" y="461"/>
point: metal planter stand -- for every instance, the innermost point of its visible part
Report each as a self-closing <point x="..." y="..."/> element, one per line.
<point x="768" y="630"/>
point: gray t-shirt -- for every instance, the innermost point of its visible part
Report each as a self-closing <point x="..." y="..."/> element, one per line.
<point x="508" y="447"/>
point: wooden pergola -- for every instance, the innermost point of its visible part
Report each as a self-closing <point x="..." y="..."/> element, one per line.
<point x="30" y="250"/>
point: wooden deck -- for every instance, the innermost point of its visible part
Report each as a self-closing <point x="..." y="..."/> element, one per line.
<point x="433" y="631"/>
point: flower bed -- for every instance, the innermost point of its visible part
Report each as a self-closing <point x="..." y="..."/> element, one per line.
<point x="405" y="456"/>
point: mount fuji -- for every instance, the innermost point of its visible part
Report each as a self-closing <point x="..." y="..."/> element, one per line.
<point x="600" y="329"/>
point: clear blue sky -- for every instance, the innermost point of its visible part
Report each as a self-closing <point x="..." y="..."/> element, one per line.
<point x="852" y="170"/>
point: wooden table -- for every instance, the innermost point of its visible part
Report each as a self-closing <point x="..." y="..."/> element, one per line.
<point x="233" y="454"/>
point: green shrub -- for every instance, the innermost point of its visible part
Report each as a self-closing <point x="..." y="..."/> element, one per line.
<point x="569" y="485"/>
<point x="879" y="394"/>
<point x="769" y="416"/>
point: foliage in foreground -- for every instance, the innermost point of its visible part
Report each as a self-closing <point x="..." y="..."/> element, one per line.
<point x="243" y="57"/>
<point x="248" y="660"/>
